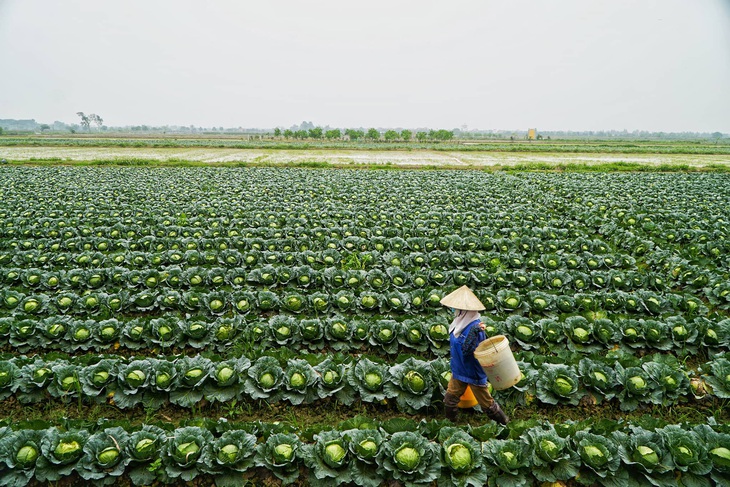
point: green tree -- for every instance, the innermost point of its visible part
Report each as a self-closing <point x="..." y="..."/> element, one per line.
<point x="354" y="134"/>
<point x="315" y="133"/>
<point x="373" y="134"/>
<point x="300" y="134"/>
<point x="277" y="132"/>
<point x="406" y="135"/>
<point x="45" y="127"/>
<point x="288" y="134"/>
<point x="1" y="130"/>
<point x="441" y="134"/>
<point x="421" y="136"/>
<point x="333" y="134"/>
<point x="390" y="135"/>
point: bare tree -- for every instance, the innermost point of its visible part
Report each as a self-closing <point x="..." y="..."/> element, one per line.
<point x="85" y="121"/>
<point x="96" y="119"/>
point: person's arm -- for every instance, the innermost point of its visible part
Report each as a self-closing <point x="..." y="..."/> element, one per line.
<point x="472" y="340"/>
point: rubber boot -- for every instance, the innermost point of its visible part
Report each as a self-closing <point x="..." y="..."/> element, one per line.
<point x="495" y="412"/>
<point x="450" y="406"/>
<point x="451" y="413"/>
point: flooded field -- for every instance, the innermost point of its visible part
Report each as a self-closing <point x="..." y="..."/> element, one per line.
<point x="346" y="157"/>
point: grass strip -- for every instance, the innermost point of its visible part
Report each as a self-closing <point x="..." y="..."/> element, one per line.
<point x="608" y="167"/>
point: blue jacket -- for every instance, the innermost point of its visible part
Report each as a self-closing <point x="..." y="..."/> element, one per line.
<point x="464" y="366"/>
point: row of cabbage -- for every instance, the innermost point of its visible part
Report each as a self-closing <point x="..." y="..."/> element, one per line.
<point x="296" y="300"/>
<point x="382" y="228"/>
<point x="371" y="454"/>
<point x="304" y="276"/>
<point x="412" y="384"/>
<point x="340" y="332"/>
<point x="153" y="238"/>
<point x="391" y="269"/>
<point x="479" y="235"/>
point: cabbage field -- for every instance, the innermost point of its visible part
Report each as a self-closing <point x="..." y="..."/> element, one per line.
<point x="257" y="326"/>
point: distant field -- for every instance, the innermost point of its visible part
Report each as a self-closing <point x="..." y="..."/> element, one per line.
<point x="335" y="157"/>
<point x="245" y="142"/>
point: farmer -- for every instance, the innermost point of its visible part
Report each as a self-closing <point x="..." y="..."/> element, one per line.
<point x="465" y="333"/>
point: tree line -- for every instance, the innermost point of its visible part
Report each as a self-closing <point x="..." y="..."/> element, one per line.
<point x="371" y="134"/>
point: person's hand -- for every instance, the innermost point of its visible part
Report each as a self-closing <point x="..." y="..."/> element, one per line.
<point x="482" y="325"/>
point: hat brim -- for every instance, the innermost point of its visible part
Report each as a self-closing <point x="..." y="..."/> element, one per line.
<point x="463" y="299"/>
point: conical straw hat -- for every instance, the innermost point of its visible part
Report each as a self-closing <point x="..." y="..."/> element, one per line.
<point x="463" y="299"/>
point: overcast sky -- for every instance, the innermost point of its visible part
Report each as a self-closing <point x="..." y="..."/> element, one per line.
<point x="660" y="65"/>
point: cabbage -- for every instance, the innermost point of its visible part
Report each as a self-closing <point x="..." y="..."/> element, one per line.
<point x="334" y="453"/>
<point x="41" y="374"/>
<point x="407" y="458"/>
<point x="581" y="334"/>
<point x="108" y="333"/>
<point x="108" y="456"/>
<point x="187" y="449"/>
<point x="413" y="335"/>
<point x="67" y="449"/>
<point x="162" y="379"/>
<point x="82" y="334"/>
<point x="194" y="374"/>
<point x="508" y="459"/>
<point x="548" y="450"/>
<point x="26" y="455"/>
<point x="297" y="380"/>
<point x="69" y="382"/>
<point x="373" y="381"/>
<point x="145" y="447"/>
<point x="31" y="305"/>
<point x="164" y="332"/>
<point x="593" y="456"/>
<point x="385" y="335"/>
<point x="438" y="332"/>
<point x="228" y="454"/>
<point x="368" y="301"/>
<point x="294" y="303"/>
<point x="338" y="330"/>
<point x="563" y="386"/>
<point x="415" y="381"/>
<point x="224" y="374"/>
<point x="283" y="452"/>
<point x="459" y="457"/>
<point x="266" y="380"/>
<point x="330" y="377"/>
<point x="136" y="378"/>
<point x="56" y="329"/>
<point x="646" y="456"/>
<point x="679" y="331"/>
<point x="720" y="456"/>
<point x="367" y="448"/>
<point x="636" y="383"/>
<point x="524" y="332"/>
<point x="196" y="330"/>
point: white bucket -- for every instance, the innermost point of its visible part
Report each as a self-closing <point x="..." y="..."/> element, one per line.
<point x="497" y="360"/>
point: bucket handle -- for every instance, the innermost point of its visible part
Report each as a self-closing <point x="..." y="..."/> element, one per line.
<point x="494" y="346"/>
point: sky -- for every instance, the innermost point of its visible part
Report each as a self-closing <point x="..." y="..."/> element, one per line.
<point x="657" y="65"/>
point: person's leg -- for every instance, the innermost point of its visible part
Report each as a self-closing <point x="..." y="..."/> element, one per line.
<point x="483" y="397"/>
<point x="490" y="406"/>
<point x="454" y="391"/>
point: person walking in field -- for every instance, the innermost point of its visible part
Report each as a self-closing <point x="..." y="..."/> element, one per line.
<point x="466" y="332"/>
